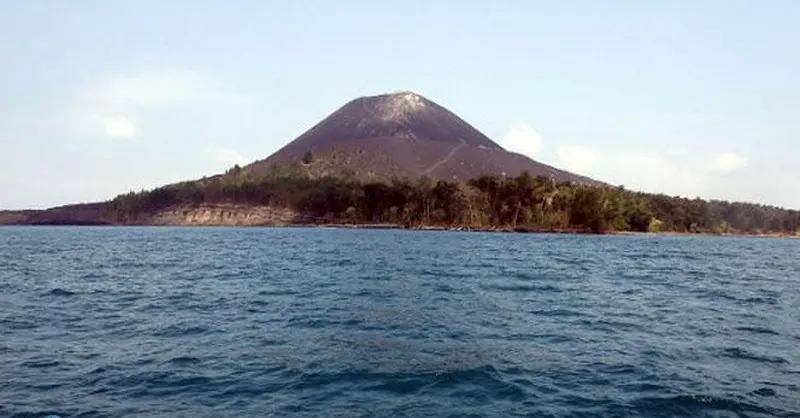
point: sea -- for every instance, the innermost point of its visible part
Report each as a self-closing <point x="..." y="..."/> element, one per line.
<point x="301" y="322"/>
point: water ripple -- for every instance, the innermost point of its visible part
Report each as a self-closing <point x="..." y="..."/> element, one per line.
<point x="250" y="322"/>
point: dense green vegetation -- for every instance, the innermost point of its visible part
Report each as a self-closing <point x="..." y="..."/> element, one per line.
<point x="489" y="202"/>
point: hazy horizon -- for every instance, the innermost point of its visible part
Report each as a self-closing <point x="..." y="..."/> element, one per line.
<point x="687" y="98"/>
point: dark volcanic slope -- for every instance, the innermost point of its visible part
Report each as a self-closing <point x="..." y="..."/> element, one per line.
<point x="406" y="134"/>
<point x="79" y="214"/>
<point x="402" y="115"/>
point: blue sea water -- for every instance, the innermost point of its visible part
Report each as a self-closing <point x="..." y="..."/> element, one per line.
<point x="259" y="322"/>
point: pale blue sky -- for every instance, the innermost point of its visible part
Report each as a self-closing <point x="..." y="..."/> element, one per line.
<point x="699" y="98"/>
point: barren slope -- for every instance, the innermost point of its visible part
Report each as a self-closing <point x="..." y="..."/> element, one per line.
<point x="405" y="134"/>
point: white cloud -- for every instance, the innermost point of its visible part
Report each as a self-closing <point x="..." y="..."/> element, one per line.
<point x="99" y="107"/>
<point x="120" y="127"/>
<point x="728" y="163"/>
<point x="523" y="139"/>
<point x="660" y="173"/>
<point x="228" y="157"/>
<point x="157" y="88"/>
<point x="674" y="170"/>
<point x="670" y="172"/>
<point x="634" y="170"/>
<point x="676" y="152"/>
<point x="577" y="159"/>
<point x="97" y="124"/>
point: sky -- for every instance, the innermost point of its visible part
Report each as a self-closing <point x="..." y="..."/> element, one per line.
<point x="697" y="98"/>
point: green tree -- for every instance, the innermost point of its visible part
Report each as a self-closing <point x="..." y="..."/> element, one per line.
<point x="522" y="202"/>
<point x="587" y="209"/>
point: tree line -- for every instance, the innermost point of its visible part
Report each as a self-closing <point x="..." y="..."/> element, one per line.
<point x="518" y="203"/>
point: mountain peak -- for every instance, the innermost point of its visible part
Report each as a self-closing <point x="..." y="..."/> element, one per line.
<point x="399" y="105"/>
<point x="399" y="94"/>
<point x="404" y="133"/>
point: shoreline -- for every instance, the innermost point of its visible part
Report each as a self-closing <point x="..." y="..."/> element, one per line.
<point x="391" y="226"/>
<point x="519" y="230"/>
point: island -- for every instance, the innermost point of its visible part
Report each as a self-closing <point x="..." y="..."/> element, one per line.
<point x="402" y="161"/>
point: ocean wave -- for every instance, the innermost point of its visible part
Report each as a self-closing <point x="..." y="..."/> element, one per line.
<point x="520" y="287"/>
<point x="701" y="405"/>
<point x="181" y="330"/>
<point x="758" y="330"/>
<point x="740" y="353"/>
<point x="61" y="292"/>
<point x="205" y="322"/>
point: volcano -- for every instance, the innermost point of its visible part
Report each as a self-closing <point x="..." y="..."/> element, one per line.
<point x="404" y="135"/>
<point x="374" y="138"/>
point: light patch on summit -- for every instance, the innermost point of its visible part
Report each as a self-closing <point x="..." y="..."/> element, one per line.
<point x="398" y="105"/>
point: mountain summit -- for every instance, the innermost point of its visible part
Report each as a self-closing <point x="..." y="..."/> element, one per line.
<point x="404" y="115"/>
<point x="404" y="134"/>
